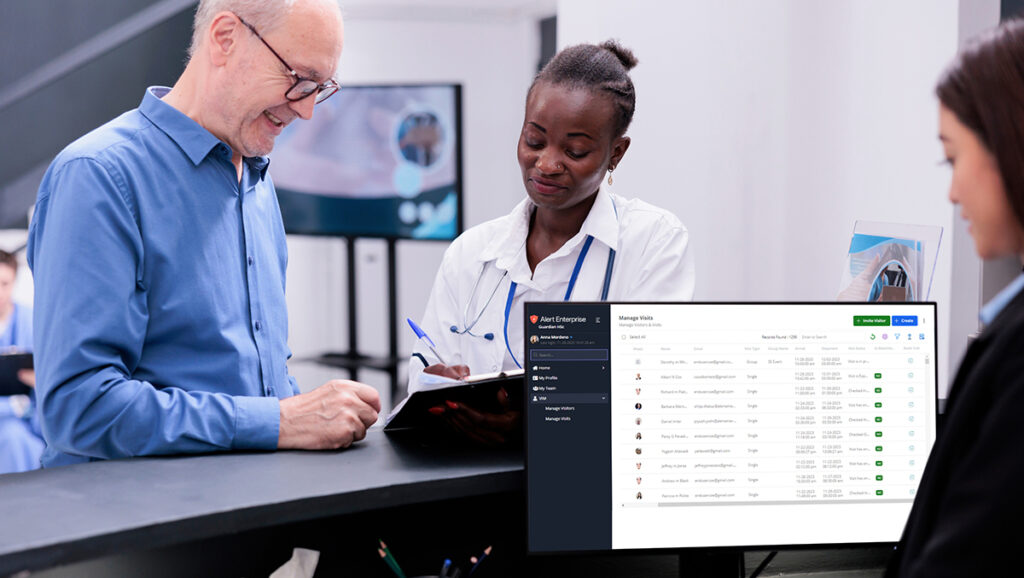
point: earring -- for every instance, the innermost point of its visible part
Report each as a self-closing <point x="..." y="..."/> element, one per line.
<point x="610" y="169"/>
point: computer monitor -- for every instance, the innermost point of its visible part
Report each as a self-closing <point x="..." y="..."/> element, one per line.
<point x="375" y="161"/>
<point x="725" y="425"/>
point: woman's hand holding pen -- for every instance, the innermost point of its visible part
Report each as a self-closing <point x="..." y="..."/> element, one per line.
<point x="484" y="428"/>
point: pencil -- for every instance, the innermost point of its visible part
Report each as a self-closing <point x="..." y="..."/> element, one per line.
<point x="477" y="562"/>
<point x="390" y="559"/>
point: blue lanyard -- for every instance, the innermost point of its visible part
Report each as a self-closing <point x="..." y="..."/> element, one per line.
<point x="568" y="291"/>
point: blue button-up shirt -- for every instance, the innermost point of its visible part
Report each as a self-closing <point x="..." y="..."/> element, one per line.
<point x="160" y="317"/>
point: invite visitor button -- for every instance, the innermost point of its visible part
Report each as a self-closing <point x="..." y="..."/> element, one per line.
<point x="871" y="320"/>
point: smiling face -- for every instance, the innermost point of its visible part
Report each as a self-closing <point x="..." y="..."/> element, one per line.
<point x="977" y="187"/>
<point x="566" y="145"/>
<point x="255" y="110"/>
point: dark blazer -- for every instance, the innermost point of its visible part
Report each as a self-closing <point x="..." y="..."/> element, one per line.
<point x="968" y="516"/>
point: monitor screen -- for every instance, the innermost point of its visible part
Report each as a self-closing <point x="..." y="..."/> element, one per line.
<point x="725" y="425"/>
<point x="374" y="161"/>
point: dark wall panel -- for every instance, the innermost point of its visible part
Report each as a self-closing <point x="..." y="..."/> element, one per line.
<point x="1011" y="8"/>
<point x="38" y="31"/>
<point x="548" y="40"/>
<point x="39" y="125"/>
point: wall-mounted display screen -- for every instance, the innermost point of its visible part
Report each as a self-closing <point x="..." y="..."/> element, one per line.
<point x="374" y="161"/>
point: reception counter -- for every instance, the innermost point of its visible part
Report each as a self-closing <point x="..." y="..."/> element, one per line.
<point x="241" y="514"/>
<point x="65" y="515"/>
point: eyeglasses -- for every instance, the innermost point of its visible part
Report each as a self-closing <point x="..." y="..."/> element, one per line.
<point x="303" y="87"/>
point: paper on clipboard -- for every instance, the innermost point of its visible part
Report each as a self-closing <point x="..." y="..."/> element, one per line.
<point x="479" y="391"/>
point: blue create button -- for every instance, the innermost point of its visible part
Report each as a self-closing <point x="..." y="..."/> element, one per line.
<point x="904" y="320"/>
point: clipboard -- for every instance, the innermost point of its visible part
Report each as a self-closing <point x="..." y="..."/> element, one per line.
<point x="10" y="363"/>
<point x="478" y="391"/>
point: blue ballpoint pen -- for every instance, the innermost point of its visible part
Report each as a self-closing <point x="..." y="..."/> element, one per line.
<point x="426" y="338"/>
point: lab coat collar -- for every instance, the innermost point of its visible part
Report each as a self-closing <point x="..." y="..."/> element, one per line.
<point x="603" y="220"/>
<point x="505" y="249"/>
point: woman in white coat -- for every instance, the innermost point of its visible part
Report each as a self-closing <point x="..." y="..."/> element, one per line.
<point x="568" y="240"/>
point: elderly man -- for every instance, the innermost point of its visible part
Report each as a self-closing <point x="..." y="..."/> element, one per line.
<point x="159" y="257"/>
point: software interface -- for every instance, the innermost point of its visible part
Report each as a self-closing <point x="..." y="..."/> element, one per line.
<point x="704" y="425"/>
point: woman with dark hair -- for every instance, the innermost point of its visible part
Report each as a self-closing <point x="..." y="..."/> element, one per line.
<point x="966" y="519"/>
<point x="569" y="239"/>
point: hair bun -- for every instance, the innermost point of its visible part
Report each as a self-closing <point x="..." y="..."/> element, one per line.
<point x="624" y="54"/>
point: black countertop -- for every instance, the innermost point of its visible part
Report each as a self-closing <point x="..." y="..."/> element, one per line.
<point x="73" y="513"/>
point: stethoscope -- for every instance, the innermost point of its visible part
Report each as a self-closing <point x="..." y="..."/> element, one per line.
<point x="512" y="293"/>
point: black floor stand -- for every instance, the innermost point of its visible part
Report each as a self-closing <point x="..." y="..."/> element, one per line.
<point x="699" y="564"/>
<point x="352" y="360"/>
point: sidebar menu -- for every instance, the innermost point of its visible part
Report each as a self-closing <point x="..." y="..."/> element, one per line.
<point x="568" y="426"/>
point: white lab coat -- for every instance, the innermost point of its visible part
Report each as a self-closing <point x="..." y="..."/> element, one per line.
<point x="652" y="263"/>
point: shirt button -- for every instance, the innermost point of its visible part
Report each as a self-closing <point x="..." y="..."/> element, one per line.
<point x="270" y="390"/>
<point x="494" y="368"/>
<point x="258" y="325"/>
<point x="250" y="260"/>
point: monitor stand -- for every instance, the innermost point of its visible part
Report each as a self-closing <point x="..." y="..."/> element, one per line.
<point x="698" y="564"/>
<point x="352" y="360"/>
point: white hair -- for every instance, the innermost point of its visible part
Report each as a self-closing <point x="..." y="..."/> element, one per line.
<point x="263" y="15"/>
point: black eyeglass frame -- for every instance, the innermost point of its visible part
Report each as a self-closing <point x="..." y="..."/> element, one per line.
<point x="322" y="92"/>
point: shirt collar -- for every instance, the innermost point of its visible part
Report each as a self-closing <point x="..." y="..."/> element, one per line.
<point x="602" y="222"/>
<point x="195" y="141"/>
<point x="991" y="309"/>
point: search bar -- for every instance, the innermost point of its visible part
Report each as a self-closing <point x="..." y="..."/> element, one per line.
<point x="568" y="355"/>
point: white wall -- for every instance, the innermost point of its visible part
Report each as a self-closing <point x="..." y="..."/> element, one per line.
<point x="770" y="127"/>
<point x="493" y="54"/>
<point x="973" y="283"/>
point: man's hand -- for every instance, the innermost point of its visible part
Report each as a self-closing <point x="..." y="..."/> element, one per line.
<point x="331" y="416"/>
